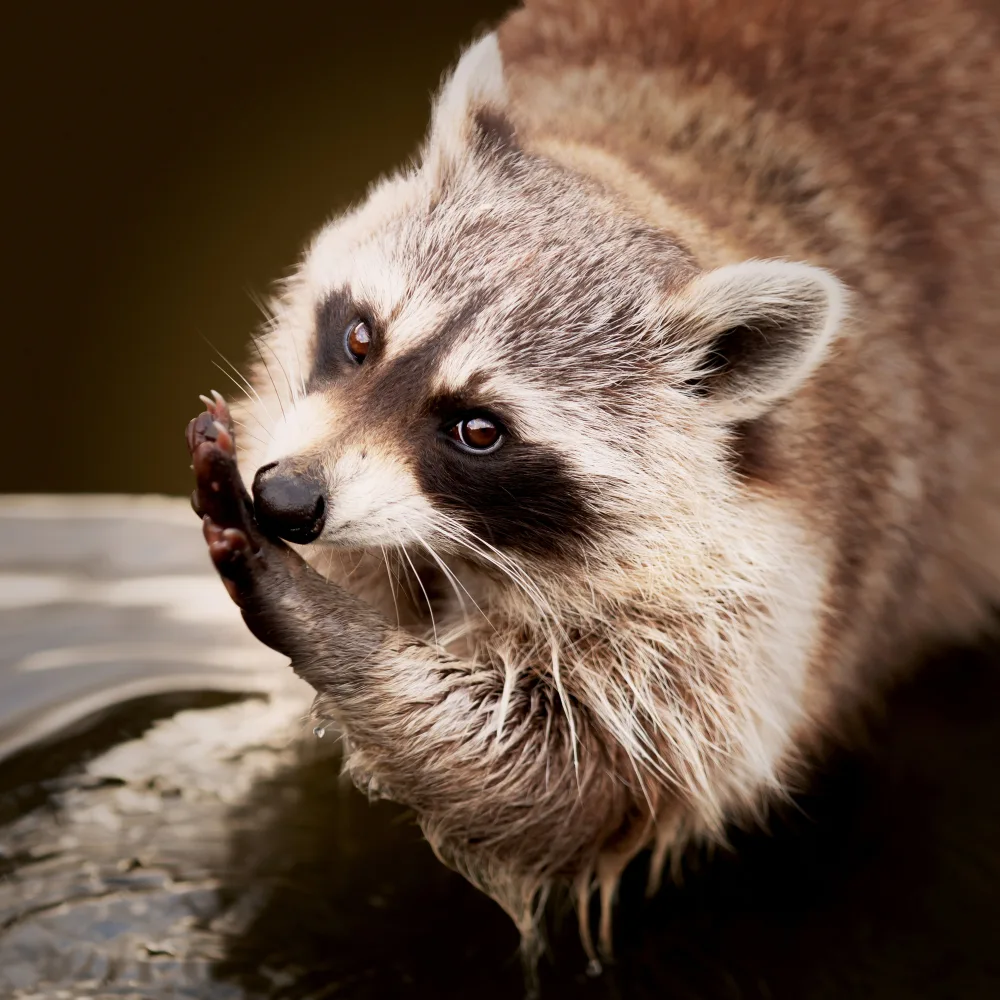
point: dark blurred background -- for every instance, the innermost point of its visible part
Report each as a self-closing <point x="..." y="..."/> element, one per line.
<point x="163" y="163"/>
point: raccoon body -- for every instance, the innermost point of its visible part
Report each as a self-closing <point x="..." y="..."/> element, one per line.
<point x="655" y="409"/>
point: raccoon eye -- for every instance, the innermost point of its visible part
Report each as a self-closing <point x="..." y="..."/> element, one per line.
<point x="479" y="434"/>
<point x="358" y="341"/>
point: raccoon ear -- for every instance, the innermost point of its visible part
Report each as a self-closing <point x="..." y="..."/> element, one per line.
<point x="754" y="332"/>
<point x="470" y="112"/>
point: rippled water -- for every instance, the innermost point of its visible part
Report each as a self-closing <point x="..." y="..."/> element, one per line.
<point x="171" y="827"/>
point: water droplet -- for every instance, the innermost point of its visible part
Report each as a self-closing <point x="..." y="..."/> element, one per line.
<point x="320" y="731"/>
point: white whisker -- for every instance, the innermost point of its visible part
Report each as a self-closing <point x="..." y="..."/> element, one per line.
<point x="454" y="581"/>
<point x="430" y="609"/>
<point x="392" y="589"/>
<point x="267" y="370"/>
<point x="243" y="379"/>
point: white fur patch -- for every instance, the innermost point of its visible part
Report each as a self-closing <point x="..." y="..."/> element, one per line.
<point x="346" y="251"/>
<point x="420" y="319"/>
<point x="374" y="500"/>
<point x="305" y="426"/>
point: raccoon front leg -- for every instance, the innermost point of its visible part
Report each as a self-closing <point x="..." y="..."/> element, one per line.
<point x="506" y="790"/>
<point x="284" y="601"/>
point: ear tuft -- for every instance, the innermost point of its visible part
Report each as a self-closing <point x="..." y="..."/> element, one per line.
<point x="470" y="110"/>
<point x="493" y="132"/>
<point x="754" y="332"/>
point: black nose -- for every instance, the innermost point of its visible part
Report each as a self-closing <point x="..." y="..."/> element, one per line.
<point x="291" y="507"/>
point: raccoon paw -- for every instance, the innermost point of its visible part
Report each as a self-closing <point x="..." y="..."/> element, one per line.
<point x="250" y="564"/>
<point x="263" y="575"/>
<point x="221" y="499"/>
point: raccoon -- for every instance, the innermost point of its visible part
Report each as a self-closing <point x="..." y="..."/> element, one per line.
<point x="632" y="439"/>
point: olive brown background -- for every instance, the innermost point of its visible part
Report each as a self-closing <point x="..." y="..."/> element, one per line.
<point x="163" y="164"/>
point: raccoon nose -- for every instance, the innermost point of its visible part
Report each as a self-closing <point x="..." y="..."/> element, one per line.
<point x="290" y="506"/>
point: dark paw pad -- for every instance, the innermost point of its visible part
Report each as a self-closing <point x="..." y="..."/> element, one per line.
<point x="221" y="499"/>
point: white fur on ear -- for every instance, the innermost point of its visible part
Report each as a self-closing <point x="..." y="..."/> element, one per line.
<point x="477" y="84"/>
<point x="756" y="331"/>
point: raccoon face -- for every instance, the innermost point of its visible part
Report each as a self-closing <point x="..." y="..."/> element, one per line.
<point x="492" y="355"/>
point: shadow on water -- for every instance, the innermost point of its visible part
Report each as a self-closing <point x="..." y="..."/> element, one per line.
<point x="344" y="898"/>
<point x="881" y="882"/>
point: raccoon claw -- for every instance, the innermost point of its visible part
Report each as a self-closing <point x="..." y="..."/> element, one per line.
<point x="220" y="494"/>
<point x="221" y="499"/>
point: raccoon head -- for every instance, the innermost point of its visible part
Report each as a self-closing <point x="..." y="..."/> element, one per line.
<point x="492" y="355"/>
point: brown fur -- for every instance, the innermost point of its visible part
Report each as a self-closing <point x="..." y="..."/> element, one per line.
<point x="863" y="136"/>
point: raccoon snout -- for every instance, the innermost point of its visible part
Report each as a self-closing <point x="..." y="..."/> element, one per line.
<point x="291" y="506"/>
